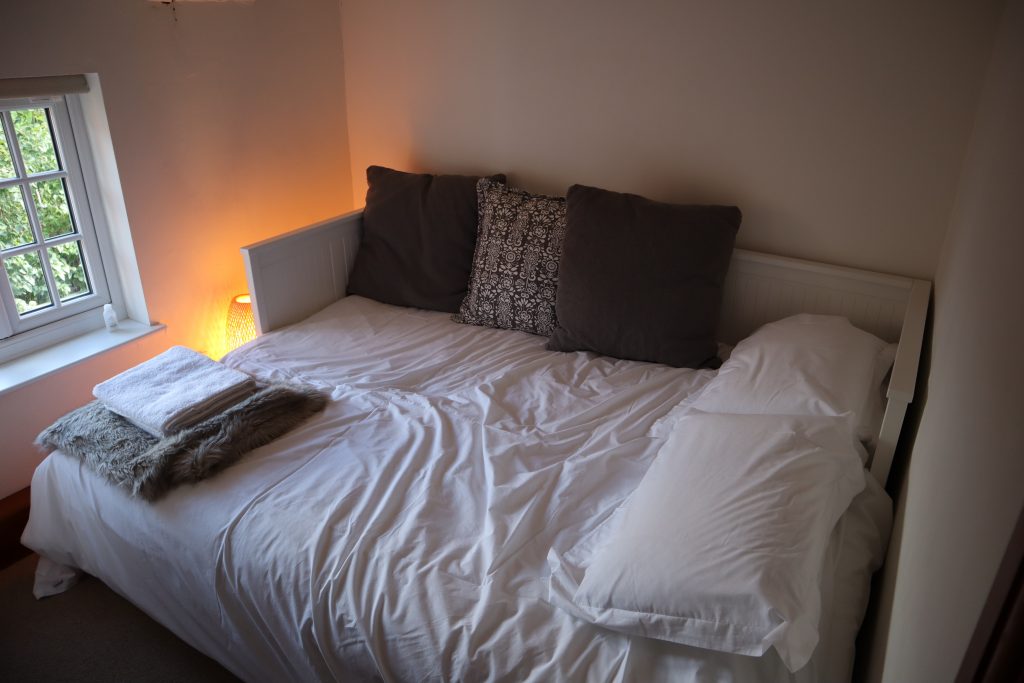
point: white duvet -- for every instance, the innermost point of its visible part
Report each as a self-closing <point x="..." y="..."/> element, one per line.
<point x="403" y="533"/>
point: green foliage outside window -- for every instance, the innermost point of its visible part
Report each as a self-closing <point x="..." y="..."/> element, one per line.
<point x="36" y="143"/>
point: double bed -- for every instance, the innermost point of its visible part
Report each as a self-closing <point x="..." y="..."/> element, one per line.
<point x="409" y="531"/>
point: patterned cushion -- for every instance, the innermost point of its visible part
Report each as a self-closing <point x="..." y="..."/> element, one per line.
<point x="515" y="266"/>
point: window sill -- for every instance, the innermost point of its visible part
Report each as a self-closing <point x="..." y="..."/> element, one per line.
<point x="21" y="371"/>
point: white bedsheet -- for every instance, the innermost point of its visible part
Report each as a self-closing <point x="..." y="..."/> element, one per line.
<point x="403" y="533"/>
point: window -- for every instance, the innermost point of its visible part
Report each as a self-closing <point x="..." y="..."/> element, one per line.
<point x="48" y="249"/>
<point x="66" y="248"/>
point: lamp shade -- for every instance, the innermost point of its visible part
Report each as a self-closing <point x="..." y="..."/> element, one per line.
<point x="240" y="326"/>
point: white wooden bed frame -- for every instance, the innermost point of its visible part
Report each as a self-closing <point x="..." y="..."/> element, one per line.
<point x="294" y="275"/>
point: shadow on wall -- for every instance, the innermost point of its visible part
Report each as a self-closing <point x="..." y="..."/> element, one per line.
<point x="873" y="638"/>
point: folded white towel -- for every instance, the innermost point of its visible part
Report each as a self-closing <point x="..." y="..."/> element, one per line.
<point x="174" y="390"/>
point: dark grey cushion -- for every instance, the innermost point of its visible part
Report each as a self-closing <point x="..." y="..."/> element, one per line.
<point x="515" y="267"/>
<point x="419" y="231"/>
<point x="641" y="279"/>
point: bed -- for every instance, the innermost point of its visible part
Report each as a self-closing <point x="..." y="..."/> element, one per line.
<point x="407" y="532"/>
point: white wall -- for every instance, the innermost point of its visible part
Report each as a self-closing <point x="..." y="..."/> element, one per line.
<point x="838" y="127"/>
<point x="228" y="126"/>
<point x="965" y="483"/>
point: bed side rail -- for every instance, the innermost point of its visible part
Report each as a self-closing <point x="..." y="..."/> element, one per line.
<point x="294" y="275"/>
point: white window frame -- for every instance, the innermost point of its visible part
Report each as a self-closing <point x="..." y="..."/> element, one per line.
<point x="20" y="335"/>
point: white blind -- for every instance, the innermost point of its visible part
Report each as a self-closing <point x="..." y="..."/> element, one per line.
<point x="42" y="86"/>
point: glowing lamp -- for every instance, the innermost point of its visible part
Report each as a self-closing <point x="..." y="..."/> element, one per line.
<point x="241" y="327"/>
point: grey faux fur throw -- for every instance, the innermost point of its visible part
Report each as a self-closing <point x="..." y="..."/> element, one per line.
<point x="148" y="467"/>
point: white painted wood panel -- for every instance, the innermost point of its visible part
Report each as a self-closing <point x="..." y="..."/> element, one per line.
<point x="296" y="274"/>
<point x="761" y="288"/>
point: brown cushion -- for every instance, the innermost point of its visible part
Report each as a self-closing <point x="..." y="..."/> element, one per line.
<point x="515" y="268"/>
<point x="641" y="279"/>
<point x="419" y="231"/>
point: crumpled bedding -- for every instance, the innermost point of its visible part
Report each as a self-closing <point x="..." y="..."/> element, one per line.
<point x="402" y="534"/>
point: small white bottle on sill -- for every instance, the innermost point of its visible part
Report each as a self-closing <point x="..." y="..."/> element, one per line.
<point x="109" y="317"/>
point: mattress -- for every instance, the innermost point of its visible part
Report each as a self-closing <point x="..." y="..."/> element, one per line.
<point x="403" y="533"/>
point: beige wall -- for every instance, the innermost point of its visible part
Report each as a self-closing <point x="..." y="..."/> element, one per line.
<point x="839" y="128"/>
<point x="228" y="126"/>
<point x="965" y="483"/>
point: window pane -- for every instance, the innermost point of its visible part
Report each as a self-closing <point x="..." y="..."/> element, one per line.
<point x="28" y="282"/>
<point x="51" y="199"/>
<point x="69" y="270"/>
<point x="14" y="228"/>
<point x="35" y="140"/>
<point x="6" y="165"/>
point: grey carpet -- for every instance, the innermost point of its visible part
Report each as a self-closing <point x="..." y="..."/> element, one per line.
<point x="88" y="634"/>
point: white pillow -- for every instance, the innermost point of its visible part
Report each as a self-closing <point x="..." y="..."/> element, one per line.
<point x="722" y="544"/>
<point x="802" y="365"/>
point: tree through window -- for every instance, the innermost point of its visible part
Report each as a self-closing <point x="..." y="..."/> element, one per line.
<point x="50" y="260"/>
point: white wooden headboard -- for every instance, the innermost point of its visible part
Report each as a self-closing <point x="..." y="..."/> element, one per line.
<point x="294" y="275"/>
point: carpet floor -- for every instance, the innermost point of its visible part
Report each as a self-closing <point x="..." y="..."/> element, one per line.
<point x="88" y="634"/>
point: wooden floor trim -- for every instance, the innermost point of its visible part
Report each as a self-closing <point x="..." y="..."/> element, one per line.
<point x="13" y="518"/>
